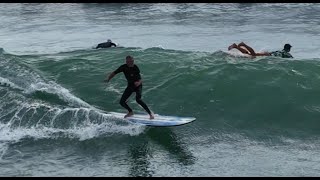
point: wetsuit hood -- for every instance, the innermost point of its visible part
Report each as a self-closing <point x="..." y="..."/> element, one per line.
<point x="287" y="47"/>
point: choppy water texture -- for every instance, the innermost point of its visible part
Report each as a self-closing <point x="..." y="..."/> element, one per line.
<point x="255" y="117"/>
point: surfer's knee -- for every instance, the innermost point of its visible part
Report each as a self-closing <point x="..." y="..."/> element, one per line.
<point x="138" y="97"/>
<point x="138" y="100"/>
<point x="122" y="102"/>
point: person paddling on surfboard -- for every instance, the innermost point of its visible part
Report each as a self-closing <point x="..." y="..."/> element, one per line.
<point x="107" y="44"/>
<point x="245" y="49"/>
<point x="132" y="74"/>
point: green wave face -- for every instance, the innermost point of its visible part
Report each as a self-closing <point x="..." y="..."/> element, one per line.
<point x="222" y="92"/>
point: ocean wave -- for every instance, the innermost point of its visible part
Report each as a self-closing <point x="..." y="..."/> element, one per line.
<point x="261" y="94"/>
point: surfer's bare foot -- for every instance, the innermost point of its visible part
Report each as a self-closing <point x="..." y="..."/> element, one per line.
<point x="151" y="116"/>
<point x="232" y="46"/>
<point x="129" y="114"/>
<point x="242" y="44"/>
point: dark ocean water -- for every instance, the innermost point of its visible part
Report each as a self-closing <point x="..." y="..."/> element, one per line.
<point x="255" y="117"/>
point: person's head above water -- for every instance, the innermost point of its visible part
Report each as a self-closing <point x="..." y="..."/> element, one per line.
<point x="129" y="61"/>
<point x="109" y="40"/>
<point x="287" y="47"/>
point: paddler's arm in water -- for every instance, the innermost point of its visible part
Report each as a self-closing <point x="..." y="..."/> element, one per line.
<point x="138" y="83"/>
<point x="111" y="75"/>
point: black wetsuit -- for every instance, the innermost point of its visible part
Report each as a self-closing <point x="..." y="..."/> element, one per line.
<point x="132" y="75"/>
<point x="106" y="45"/>
<point x="283" y="54"/>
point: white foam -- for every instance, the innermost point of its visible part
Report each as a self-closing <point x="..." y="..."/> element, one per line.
<point x="88" y="130"/>
<point x="236" y="53"/>
<point x="7" y="82"/>
<point x="54" y="88"/>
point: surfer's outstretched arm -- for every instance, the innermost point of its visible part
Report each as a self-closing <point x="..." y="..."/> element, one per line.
<point x="113" y="44"/>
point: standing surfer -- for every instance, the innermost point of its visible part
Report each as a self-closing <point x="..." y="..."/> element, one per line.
<point x="132" y="74"/>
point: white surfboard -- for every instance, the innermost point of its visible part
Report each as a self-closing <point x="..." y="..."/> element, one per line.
<point x="158" y="120"/>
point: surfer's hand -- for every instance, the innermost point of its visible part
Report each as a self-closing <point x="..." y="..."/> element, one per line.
<point x="137" y="83"/>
